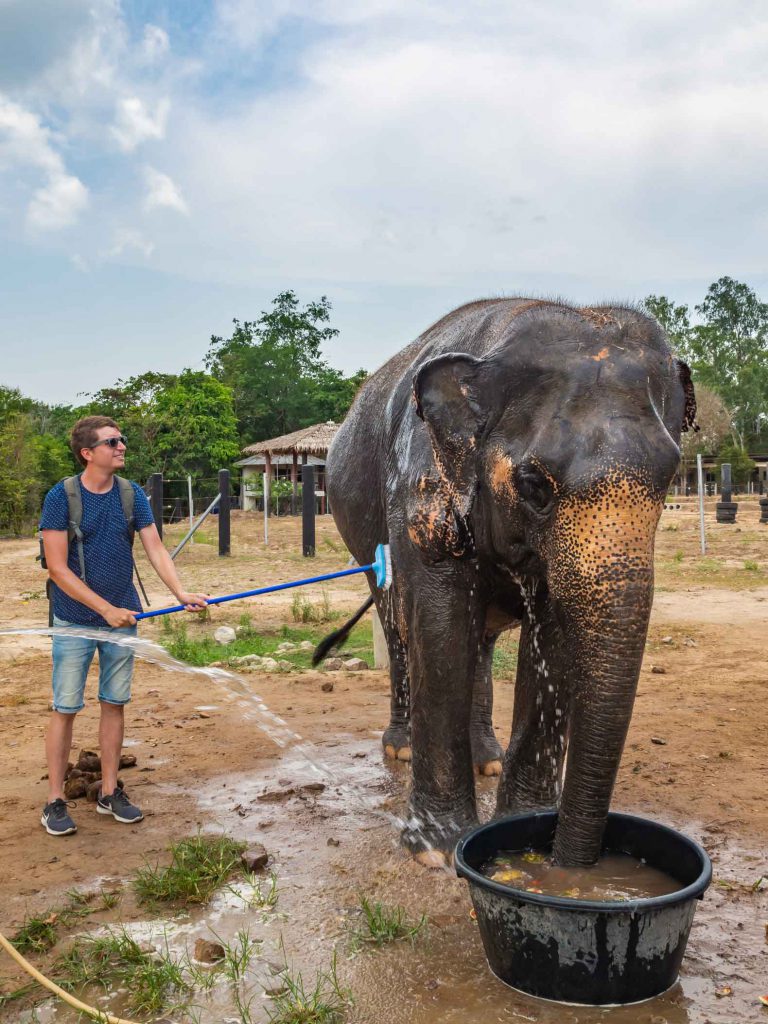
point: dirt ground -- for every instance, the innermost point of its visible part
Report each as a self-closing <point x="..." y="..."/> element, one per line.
<point x="696" y="758"/>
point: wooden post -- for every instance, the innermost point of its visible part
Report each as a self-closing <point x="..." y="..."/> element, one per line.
<point x="155" y="487"/>
<point x="268" y="471"/>
<point x="295" y="483"/>
<point x="224" y="535"/>
<point x="308" y="511"/>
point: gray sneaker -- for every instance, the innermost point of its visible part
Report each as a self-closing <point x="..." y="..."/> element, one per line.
<point x="56" y="820"/>
<point x="119" y="806"/>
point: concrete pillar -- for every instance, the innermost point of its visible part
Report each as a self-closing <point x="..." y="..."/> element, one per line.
<point x="380" y="649"/>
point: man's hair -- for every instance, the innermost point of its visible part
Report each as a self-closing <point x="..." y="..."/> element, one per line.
<point x="84" y="434"/>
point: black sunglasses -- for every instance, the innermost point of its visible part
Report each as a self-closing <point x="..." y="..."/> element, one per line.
<point x="113" y="442"/>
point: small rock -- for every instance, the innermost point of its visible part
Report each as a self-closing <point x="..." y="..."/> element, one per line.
<point x="286" y="648"/>
<point x="127" y="761"/>
<point x="286" y="666"/>
<point x="356" y="665"/>
<point x="255" y="857"/>
<point x="243" y="630"/>
<point x="203" y="714"/>
<point x="432" y="984"/>
<point x="153" y="693"/>
<point x="248" y="659"/>
<point x="208" y="952"/>
<point x="269" y="664"/>
<point x="332" y="841"/>
<point x="690" y="643"/>
<point x="224" y="635"/>
<point x="658" y="741"/>
<point x="312" y="787"/>
<point x="666" y="640"/>
<point x="275" y="988"/>
<point x="275" y="968"/>
<point x="333" y="664"/>
<point x="306" y="645"/>
<point x="658" y="670"/>
<point x="327" y="687"/>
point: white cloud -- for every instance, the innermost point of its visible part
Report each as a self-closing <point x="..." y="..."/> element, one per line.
<point x="58" y="204"/>
<point x="24" y="143"/>
<point x="136" y="123"/>
<point x="162" y="191"/>
<point x="155" y="43"/>
<point x="127" y="239"/>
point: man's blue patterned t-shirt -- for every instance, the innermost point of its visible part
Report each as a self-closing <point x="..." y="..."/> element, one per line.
<point x="106" y="549"/>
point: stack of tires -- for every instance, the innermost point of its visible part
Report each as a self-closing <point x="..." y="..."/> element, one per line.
<point x="725" y="511"/>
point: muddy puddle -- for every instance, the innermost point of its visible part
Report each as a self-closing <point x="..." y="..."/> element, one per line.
<point x="325" y="853"/>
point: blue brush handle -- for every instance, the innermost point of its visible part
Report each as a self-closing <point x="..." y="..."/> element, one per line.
<point x="261" y="590"/>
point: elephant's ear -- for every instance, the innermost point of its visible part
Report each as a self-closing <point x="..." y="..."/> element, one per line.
<point x="689" y="415"/>
<point x="449" y="393"/>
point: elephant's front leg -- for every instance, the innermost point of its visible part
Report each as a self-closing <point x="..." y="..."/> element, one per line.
<point x="443" y="641"/>
<point x="533" y="765"/>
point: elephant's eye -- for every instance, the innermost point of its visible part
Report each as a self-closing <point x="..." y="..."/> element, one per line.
<point x="534" y="488"/>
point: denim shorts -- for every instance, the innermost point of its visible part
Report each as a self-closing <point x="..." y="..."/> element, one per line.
<point x="72" y="657"/>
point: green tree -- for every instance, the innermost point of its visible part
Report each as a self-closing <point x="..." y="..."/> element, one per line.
<point x="742" y="466"/>
<point x="197" y="429"/>
<point x="727" y="350"/>
<point x="19" y="483"/>
<point x="275" y="369"/>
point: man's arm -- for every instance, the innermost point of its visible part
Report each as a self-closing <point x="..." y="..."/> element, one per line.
<point x="163" y="565"/>
<point x="56" y="547"/>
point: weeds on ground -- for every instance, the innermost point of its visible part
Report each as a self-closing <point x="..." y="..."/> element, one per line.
<point x="751" y="566"/>
<point x="265" y="892"/>
<point x="505" y="656"/>
<point x="324" y="1003"/>
<point x="238" y="954"/>
<point x="38" y="933"/>
<point x="6" y="998"/>
<point x="153" y="980"/>
<point x="678" y="557"/>
<point x="381" y="925"/>
<point x="199" y="865"/>
<point x="303" y="610"/>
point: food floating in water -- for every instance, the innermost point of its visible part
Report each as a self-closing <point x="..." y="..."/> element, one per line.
<point x="616" y="877"/>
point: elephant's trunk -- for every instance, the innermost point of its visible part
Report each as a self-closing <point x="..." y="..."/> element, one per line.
<point x="602" y="583"/>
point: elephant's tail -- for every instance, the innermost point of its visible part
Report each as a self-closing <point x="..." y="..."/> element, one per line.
<point x="339" y="636"/>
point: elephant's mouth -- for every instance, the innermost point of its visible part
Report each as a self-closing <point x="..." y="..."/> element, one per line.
<point x="522" y="560"/>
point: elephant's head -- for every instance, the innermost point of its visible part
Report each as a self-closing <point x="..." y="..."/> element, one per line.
<point x="553" y="457"/>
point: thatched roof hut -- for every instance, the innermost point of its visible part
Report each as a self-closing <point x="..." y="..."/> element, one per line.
<point x="275" y="455"/>
<point x="314" y="440"/>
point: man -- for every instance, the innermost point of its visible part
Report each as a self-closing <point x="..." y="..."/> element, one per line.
<point x="105" y="601"/>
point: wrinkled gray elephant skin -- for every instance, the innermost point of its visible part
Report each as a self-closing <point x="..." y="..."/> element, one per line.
<point x="516" y="458"/>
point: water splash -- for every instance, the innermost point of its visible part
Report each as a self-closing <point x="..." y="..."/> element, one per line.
<point x="254" y="710"/>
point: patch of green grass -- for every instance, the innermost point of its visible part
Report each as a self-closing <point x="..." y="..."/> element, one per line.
<point x="265" y="892"/>
<point x="154" y="981"/>
<point x="325" y="1002"/>
<point x="238" y="954"/>
<point x="203" y="650"/>
<point x="751" y="566"/>
<point x="199" y="866"/>
<point x="304" y="610"/>
<point x="678" y="557"/>
<point x="38" y="933"/>
<point x="505" y="656"/>
<point x="17" y="993"/>
<point x="382" y="924"/>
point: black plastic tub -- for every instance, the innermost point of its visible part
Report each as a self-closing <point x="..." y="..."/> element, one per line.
<point x="583" y="951"/>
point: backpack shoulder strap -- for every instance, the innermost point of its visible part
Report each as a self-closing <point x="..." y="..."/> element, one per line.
<point x="75" y="507"/>
<point x="128" y="501"/>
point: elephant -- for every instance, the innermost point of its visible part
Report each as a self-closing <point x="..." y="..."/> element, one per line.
<point x="516" y="458"/>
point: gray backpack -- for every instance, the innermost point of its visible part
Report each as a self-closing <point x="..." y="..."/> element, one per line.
<point x="74" y="533"/>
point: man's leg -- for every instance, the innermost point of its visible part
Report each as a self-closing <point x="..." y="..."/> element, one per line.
<point x="115" y="675"/>
<point x="111" y="732"/>
<point x="58" y="744"/>
<point x="72" y="657"/>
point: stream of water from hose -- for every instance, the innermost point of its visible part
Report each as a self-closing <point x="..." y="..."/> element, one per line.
<point x="255" y="710"/>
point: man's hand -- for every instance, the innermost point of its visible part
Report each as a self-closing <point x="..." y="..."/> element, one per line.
<point x="193" y="602"/>
<point x="119" y="617"/>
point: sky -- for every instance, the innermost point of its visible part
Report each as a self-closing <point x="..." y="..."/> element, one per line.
<point x="169" y="165"/>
